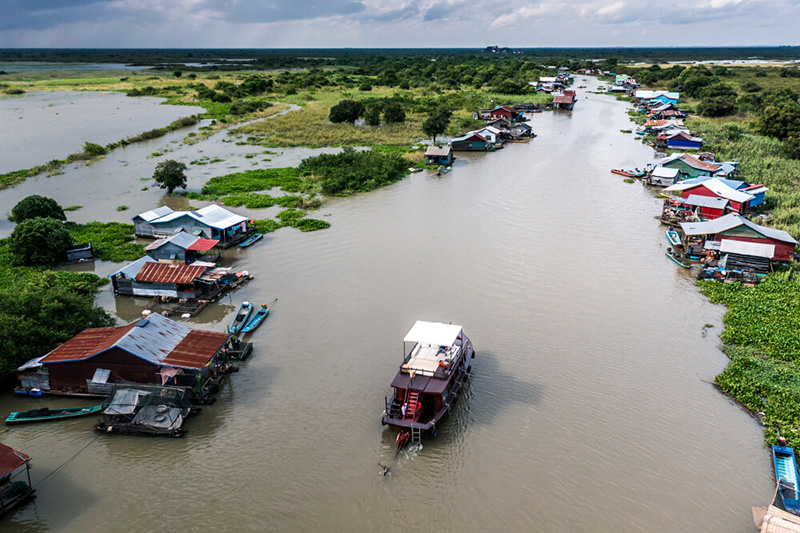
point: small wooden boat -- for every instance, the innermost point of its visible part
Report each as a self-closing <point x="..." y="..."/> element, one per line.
<point x="443" y="170"/>
<point x="257" y="318"/>
<point x="628" y="173"/>
<point x="46" y="415"/>
<point x="241" y="318"/>
<point x="676" y="259"/>
<point x="414" y="169"/>
<point x="786" y="476"/>
<point x="23" y="391"/>
<point x="251" y="240"/>
<point x="674" y="238"/>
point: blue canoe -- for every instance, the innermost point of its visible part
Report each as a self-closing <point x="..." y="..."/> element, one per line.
<point x="257" y="318"/>
<point x="674" y="257"/>
<point x="786" y="475"/>
<point x="241" y="318"/>
<point x="251" y="239"/>
<point x="47" y="415"/>
<point x="444" y="170"/>
<point x="674" y="238"/>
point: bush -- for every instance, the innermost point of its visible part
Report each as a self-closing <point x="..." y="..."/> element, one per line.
<point x="36" y="206"/>
<point x="346" y="111"/>
<point x="350" y="171"/>
<point x="393" y="113"/>
<point x="39" y="241"/>
<point x="94" y="150"/>
<point x="717" y="107"/>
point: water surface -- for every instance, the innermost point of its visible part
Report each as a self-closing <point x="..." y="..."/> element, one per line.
<point x="589" y="407"/>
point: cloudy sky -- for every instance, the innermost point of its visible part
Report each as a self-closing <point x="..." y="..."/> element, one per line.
<point x="395" y="23"/>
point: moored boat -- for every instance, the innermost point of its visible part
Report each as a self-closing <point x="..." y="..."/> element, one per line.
<point x="674" y="238"/>
<point x="251" y="240"/>
<point x="786" y="475"/>
<point x="258" y="317"/>
<point x="443" y="170"/>
<point x="628" y="173"/>
<point x="429" y="381"/>
<point x="241" y="318"/>
<point x="676" y="258"/>
<point x="46" y="415"/>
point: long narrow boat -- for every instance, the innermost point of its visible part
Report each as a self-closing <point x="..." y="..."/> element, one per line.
<point x="251" y="240"/>
<point x="429" y="380"/>
<point x="786" y="476"/>
<point x="258" y="317"/>
<point x="677" y="260"/>
<point x="674" y="238"/>
<point x="443" y="170"/>
<point x="628" y="173"/>
<point x="46" y="415"/>
<point x="241" y="318"/>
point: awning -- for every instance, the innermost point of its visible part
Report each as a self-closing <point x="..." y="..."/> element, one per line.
<point x="11" y="459"/>
<point x="203" y="245"/>
<point x="435" y="333"/>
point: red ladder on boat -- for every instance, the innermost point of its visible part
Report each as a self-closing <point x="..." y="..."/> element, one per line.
<point x="413" y="406"/>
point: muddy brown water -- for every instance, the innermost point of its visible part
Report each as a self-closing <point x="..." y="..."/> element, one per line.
<point x="588" y="409"/>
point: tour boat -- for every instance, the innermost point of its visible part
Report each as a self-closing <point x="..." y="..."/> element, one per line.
<point x="786" y="476"/>
<point x="429" y="380"/>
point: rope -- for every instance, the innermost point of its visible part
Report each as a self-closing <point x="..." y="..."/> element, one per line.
<point x="65" y="463"/>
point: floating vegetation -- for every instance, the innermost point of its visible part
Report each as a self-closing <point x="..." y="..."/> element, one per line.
<point x="73" y="208"/>
<point x="122" y="208"/>
<point x="111" y="241"/>
<point x="629" y="180"/>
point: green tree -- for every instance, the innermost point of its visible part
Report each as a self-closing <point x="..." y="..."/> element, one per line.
<point x="177" y="73"/>
<point x="170" y="175"/>
<point x="372" y="115"/>
<point x="437" y="123"/>
<point x="780" y="121"/>
<point x="393" y="113"/>
<point x="39" y="241"/>
<point x="346" y="111"/>
<point x="34" y="206"/>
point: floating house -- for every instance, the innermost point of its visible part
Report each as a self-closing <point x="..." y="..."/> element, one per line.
<point x="153" y="350"/>
<point x="708" y="207"/>
<point x="749" y="238"/>
<point x="663" y="177"/>
<point x="681" y="140"/>
<point x="521" y="131"/>
<point x="80" y="253"/>
<point x="690" y="166"/>
<point x="14" y="491"/>
<point x="198" y="281"/>
<point x="656" y="97"/>
<point x="439" y="155"/>
<point x="180" y="247"/>
<point x="471" y="142"/>
<point x="210" y="222"/>
<point x="492" y="136"/>
<point x="503" y="111"/>
<point x="563" y="101"/>
<point x="740" y="201"/>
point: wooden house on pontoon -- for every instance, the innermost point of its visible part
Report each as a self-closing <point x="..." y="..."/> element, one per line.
<point x="439" y="155"/>
<point x="153" y="350"/>
<point x="179" y="248"/>
<point x="15" y="478"/>
<point x="748" y="238"/>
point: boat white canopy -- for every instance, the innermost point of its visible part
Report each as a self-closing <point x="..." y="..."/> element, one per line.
<point x="433" y="333"/>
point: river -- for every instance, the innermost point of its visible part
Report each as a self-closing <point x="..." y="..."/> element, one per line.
<point x="589" y="406"/>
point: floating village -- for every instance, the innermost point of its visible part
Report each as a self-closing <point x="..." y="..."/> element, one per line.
<point x="151" y="376"/>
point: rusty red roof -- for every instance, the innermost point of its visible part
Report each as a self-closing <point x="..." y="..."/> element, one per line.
<point x="203" y="245"/>
<point x="87" y="343"/>
<point x="11" y="459"/>
<point x="167" y="273"/>
<point x="562" y="99"/>
<point x="697" y="163"/>
<point x="196" y="349"/>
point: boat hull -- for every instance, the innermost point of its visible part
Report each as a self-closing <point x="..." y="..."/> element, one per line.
<point x="675" y="259"/>
<point x="674" y="238"/>
<point x="786" y="475"/>
<point x="47" y="415"/>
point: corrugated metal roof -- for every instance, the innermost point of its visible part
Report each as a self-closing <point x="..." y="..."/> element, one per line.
<point x="664" y="172"/>
<point x="210" y="215"/>
<point x="196" y="349"/>
<point x="730" y="221"/>
<point x="706" y="201"/>
<point x="166" y="273"/>
<point x="203" y="245"/>
<point x="11" y="459"/>
<point x="132" y="269"/>
<point x="468" y="136"/>
<point x="436" y="151"/>
<point x="153" y="214"/>
<point x="156" y="339"/>
<point x="155" y="245"/>
<point x="747" y="248"/>
<point x="562" y="99"/>
<point x="87" y="343"/>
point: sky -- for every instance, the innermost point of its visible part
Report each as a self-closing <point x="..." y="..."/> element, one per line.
<point x="395" y="23"/>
